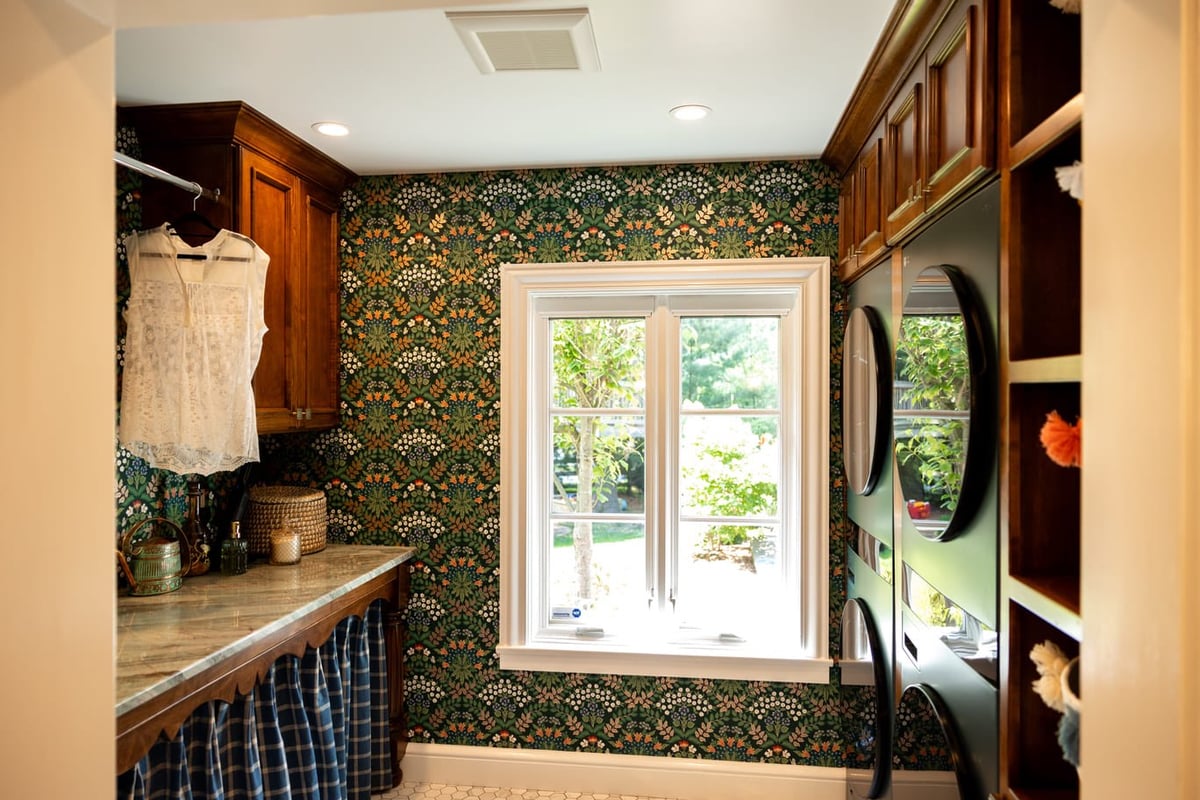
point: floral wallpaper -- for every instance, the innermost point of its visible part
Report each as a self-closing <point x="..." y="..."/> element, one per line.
<point x="415" y="460"/>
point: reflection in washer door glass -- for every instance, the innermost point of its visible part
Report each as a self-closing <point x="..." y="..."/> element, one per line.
<point x="931" y="416"/>
<point x="876" y="554"/>
<point x="968" y="638"/>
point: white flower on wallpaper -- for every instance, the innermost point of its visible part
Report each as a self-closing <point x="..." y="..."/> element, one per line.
<point x="419" y="199"/>
<point x="419" y="446"/>
<point x="594" y="701"/>
<point x="419" y="364"/>
<point x="349" y="282"/>
<point x="349" y="362"/>
<point x="342" y="526"/>
<point x="337" y="445"/>
<point x="593" y="191"/>
<point x="503" y="194"/>
<point x="418" y="529"/>
<point x="419" y="282"/>
<point x="687" y="702"/>
<point x="422" y="691"/>
<point x="423" y="610"/>
<point x="683" y="187"/>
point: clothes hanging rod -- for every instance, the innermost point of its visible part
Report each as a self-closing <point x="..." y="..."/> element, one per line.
<point x="154" y="172"/>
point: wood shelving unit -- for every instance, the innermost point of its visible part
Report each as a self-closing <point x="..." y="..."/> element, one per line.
<point x="1041" y="122"/>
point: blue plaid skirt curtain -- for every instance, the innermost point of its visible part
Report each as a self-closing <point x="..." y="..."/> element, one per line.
<point x="315" y="728"/>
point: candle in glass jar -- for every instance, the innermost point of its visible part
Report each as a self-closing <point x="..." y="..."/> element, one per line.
<point x="285" y="546"/>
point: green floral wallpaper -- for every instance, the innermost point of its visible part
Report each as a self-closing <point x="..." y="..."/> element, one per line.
<point x="415" y="460"/>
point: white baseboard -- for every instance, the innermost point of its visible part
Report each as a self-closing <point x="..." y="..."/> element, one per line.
<point x="653" y="776"/>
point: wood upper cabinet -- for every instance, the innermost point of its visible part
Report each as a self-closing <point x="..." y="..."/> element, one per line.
<point x="269" y="213"/>
<point x="319" y="324"/>
<point x="904" y="158"/>
<point x="847" y="237"/>
<point x="868" y="201"/>
<point x="960" y="141"/>
<point x="940" y="123"/>
<point x="860" y="209"/>
<point x="283" y="194"/>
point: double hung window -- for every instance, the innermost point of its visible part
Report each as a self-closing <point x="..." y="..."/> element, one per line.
<point x="664" y="467"/>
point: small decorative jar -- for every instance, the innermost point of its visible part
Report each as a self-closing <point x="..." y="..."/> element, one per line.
<point x="285" y="546"/>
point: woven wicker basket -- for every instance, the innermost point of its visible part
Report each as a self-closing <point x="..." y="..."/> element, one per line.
<point x="302" y="508"/>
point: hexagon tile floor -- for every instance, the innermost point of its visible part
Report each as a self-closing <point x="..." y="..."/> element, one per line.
<point x="442" y="791"/>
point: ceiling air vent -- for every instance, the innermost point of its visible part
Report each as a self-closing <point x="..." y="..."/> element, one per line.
<point x="510" y="41"/>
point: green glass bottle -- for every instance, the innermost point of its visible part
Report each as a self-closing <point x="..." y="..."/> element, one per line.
<point x="234" y="551"/>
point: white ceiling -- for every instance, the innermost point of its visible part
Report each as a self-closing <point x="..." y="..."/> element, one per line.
<point x="777" y="74"/>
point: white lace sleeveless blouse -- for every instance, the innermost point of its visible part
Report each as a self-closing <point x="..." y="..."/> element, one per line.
<point x="194" y="336"/>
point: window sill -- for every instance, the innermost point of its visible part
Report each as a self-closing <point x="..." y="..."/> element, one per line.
<point x="675" y="664"/>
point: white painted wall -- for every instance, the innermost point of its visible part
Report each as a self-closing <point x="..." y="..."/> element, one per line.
<point x="1141" y="484"/>
<point x="57" y="400"/>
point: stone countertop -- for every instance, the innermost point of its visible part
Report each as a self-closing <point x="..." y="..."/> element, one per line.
<point x="163" y="640"/>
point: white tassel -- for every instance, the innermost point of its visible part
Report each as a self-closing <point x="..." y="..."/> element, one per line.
<point x="1070" y="179"/>
<point x="1050" y="662"/>
<point x="1068" y="6"/>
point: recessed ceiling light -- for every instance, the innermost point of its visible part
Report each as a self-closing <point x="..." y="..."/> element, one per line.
<point x="331" y="128"/>
<point x="690" y="111"/>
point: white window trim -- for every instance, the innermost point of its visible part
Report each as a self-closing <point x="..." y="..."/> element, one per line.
<point x="521" y="285"/>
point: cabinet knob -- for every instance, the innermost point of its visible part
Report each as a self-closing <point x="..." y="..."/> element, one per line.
<point x="302" y="413"/>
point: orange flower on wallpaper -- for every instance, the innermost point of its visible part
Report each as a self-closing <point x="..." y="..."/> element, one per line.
<point x="1062" y="440"/>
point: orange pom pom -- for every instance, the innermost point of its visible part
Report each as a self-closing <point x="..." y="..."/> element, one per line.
<point x="1062" y="440"/>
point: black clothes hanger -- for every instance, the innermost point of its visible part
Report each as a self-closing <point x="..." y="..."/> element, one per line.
<point x="178" y="226"/>
<point x="196" y="217"/>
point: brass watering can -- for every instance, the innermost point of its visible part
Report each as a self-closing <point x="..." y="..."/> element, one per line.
<point x="154" y="564"/>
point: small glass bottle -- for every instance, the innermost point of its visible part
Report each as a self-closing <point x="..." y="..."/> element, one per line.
<point x="234" y="551"/>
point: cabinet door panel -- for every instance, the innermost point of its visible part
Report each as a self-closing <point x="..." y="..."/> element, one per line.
<point x="868" y="201"/>
<point x="904" y="157"/>
<point x="320" y="322"/>
<point x="269" y="216"/>
<point x="847" y="234"/>
<point x="960" y="142"/>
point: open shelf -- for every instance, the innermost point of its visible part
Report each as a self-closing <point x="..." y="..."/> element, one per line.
<point x="1055" y="369"/>
<point x="1040" y="595"/>
<point x="1036" y="768"/>
<point x="1052" y="130"/>
<point x="1027" y="793"/>
<point x="1043" y="497"/>
<point x="1043" y="247"/>
<point x="1044" y="63"/>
